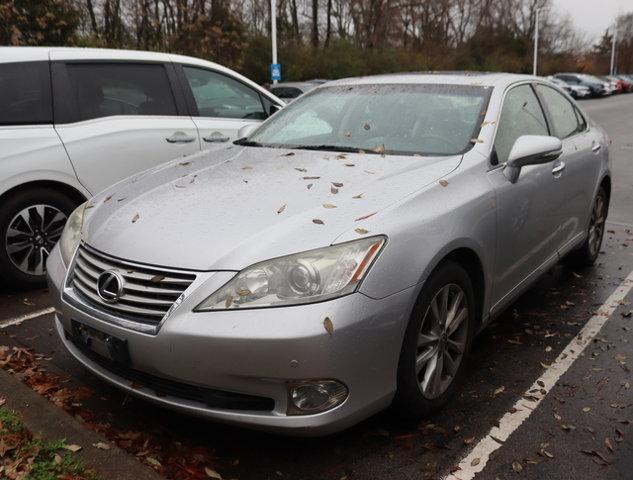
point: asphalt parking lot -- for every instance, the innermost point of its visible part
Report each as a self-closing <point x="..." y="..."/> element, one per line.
<point x="574" y="424"/>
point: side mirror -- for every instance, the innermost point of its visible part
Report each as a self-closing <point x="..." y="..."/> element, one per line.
<point x="246" y="130"/>
<point x="531" y="150"/>
<point x="274" y="108"/>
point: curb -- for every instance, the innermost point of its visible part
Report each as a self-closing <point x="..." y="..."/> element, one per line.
<point x="46" y="420"/>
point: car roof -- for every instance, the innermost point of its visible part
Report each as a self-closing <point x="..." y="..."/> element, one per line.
<point x="486" y="79"/>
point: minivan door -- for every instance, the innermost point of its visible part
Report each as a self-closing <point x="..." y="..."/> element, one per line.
<point x="220" y="104"/>
<point x="117" y="118"/>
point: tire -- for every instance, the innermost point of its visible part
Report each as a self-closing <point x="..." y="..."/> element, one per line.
<point x="417" y="395"/>
<point x="31" y="222"/>
<point x="588" y="252"/>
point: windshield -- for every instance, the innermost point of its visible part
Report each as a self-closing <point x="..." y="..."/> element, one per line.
<point x="404" y="119"/>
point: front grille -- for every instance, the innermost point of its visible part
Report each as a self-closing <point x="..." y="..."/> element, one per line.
<point x="148" y="292"/>
<point x="212" y="398"/>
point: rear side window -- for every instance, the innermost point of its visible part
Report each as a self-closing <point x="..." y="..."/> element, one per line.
<point x="561" y="111"/>
<point x="107" y="89"/>
<point x="521" y="115"/>
<point x="217" y="95"/>
<point x="25" y="93"/>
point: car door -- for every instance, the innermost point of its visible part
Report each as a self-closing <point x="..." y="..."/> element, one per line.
<point x="528" y="211"/>
<point x="117" y="118"/>
<point x="220" y="104"/>
<point x="581" y="161"/>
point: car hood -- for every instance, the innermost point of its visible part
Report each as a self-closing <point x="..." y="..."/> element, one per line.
<point x="229" y="208"/>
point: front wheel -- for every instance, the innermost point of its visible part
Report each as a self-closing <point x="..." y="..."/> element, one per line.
<point x="437" y="341"/>
<point x="31" y="223"/>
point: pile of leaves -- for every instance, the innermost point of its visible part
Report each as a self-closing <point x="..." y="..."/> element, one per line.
<point x="25" y="457"/>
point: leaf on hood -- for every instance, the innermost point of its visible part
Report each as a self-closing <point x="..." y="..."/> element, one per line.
<point x="328" y="325"/>
<point x="318" y="221"/>
<point x="328" y="205"/>
<point x="184" y="164"/>
<point x="157" y="279"/>
<point x="309" y="186"/>
<point x="444" y="183"/>
<point x="247" y="167"/>
<point x="281" y="209"/>
<point x="379" y="149"/>
<point x="107" y="199"/>
<point x="360" y="195"/>
<point x="349" y="164"/>
<point x="136" y="218"/>
<point x="300" y="169"/>
<point x="311" y="178"/>
<point x="334" y="190"/>
<point x="365" y="217"/>
<point x="289" y="154"/>
<point x="337" y="184"/>
<point x="361" y="231"/>
<point x="121" y="199"/>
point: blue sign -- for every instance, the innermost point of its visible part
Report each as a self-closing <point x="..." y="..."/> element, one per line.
<point x="275" y="71"/>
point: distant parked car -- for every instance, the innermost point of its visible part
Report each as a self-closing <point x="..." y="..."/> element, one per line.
<point x="74" y="121"/>
<point x="616" y="84"/>
<point x="339" y="258"/>
<point x="288" y="91"/>
<point x="627" y="83"/>
<point x="599" y="88"/>
<point x="576" y="91"/>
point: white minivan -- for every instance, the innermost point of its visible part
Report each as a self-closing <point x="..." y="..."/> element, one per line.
<point x="74" y="121"/>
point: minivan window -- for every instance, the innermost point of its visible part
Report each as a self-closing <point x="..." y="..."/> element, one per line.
<point x="562" y="112"/>
<point x="217" y="95"/>
<point x="107" y="89"/>
<point x="521" y="115"/>
<point x="25" y="93"/>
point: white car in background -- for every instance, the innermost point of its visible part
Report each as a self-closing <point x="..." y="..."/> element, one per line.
<point x="74" y="121"/>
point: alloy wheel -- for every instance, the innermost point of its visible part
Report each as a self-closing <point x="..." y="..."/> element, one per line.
<point x="442" y="341"/>
<point x="597" y="224"/>
<point x="31" y="236"/>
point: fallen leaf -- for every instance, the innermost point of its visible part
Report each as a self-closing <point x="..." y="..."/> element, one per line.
<point x="475" y="462"/>
<point x="360" y="195"/>
<point x="361" y="231"/>
<point x="212" y="473"/>
<point x="609" y="445"/>
<point x="184" y="164"/>
<point x="365" y="217"/>
<point x="135" y="218"/>
<point x="153" y="462"/>
<point x="73" y="448"/>
<point x="517" y="467"/>
<point x="329" y="326"/>
<point x="303" y="170"/>
<point x="586" y="409"/>
<point x="328" y="205"/>
<point x="334" y="190"/>
<point x="228" y="302"/>
<point x="107" y="199"/>
<point x="318" y="221"/>
<point x="379" y="149"/>
<point x="337" y="184"/>
<point x="157" y="279"/>
<point x="289" y="154"/>
<point x="101" y="446"/>
<point x="281" y="209"/>
<point x="349" y="165"/>
<point x="310" y="186"/>
<point x="499" y="391"/>
<point x="244" y="292"/>
<point x="444" y="183"/>
<point x="311" y="178"/>
<point x="476" y="140"/>
<point x="247" y="167"/>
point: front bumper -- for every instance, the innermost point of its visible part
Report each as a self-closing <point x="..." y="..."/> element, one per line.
<point x="254" y="352"/>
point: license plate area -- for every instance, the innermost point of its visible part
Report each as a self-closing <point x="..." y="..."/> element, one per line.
<point x="103" y="344"/>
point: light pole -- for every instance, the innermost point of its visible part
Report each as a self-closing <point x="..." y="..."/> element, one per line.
<point x="273" y="31"/>
<point x="536" y="32"/>
<point x="612" y="70"/>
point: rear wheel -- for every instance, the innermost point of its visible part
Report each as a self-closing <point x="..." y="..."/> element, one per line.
<point x="437" y="341"/>
<point x="31" y="223"/>
<point x="588" y="253"/>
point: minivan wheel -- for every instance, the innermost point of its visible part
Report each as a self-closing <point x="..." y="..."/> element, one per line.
<point x="31" y="223"/>
<point x="437" y="341"/>
<point x="588" y="253"/>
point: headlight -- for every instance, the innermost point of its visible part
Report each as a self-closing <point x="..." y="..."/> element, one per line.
<point x="71" y="234"/>
<point x="306" y="277"/>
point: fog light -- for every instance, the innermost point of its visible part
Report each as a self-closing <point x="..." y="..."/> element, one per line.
<point x="314" y="396"/>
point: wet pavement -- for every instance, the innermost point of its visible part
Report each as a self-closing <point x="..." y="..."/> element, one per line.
<point x="580" y="430"/>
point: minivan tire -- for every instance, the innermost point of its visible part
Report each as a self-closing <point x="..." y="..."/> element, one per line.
<point x="411" y="399"/>
<point x="47" y="233"/>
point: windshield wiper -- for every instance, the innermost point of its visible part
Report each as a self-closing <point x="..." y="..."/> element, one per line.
<point x="245" y="142"/>
<point x="336" y="148"/>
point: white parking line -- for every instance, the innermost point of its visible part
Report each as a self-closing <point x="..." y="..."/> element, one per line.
<point x="22" y="318"/>
<point x="479" y="456"/>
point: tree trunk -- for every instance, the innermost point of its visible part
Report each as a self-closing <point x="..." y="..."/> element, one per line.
<point x="328" y="31"/>
<point x="315" y="23"/>
<point x="93" y="20"/>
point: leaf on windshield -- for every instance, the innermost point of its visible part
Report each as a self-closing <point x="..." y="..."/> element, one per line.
<point x="365" y="217"/>
<point x="361" y="231"/>
<point x="334" y="190"/>
<point x="341" y="156"/>
<point x="107" y="199"/>
<point x="328" y="205"/>
<point x="348" y="134"/>
<point x="300" y="169"/>
<point x="349" y="164"/>
<point x="289" y="154"/>
<point x="360" y="195"/>
<point x="310" y="185"/>
<point x="379" y="149"/>
<point x="281" y="209"/>
<point x="184" y="164"/>
<point x="367" y="126"/>
<point x="136" y="218"/>
<point x="311" y="178"/>
<point x="228" y="302"/>
<point x="444" y="183"/>
<point x="337" y="184"/>
<point x="318" y="221"/>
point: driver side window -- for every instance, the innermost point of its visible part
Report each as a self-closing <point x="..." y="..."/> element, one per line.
<point x="220" y="96"/>
<point x="521" y="115"/>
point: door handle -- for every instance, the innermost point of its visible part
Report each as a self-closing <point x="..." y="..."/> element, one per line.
<point x="216" y="137"/>
<point x="596" y="147"/>
<point x="558" y="169"/>
<point x="180" y="137"/>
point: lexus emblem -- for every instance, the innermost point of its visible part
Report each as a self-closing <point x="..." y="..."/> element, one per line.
<point x="110" y="286"/>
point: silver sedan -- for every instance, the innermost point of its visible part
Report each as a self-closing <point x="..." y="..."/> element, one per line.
<point x="338" y="259"/>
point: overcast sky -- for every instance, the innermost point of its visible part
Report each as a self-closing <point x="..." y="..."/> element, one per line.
<point x="593" y="16"/>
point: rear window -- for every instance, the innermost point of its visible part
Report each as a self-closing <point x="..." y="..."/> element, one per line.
<point x="107" y="89"/>
<point x="25" y="93"/>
